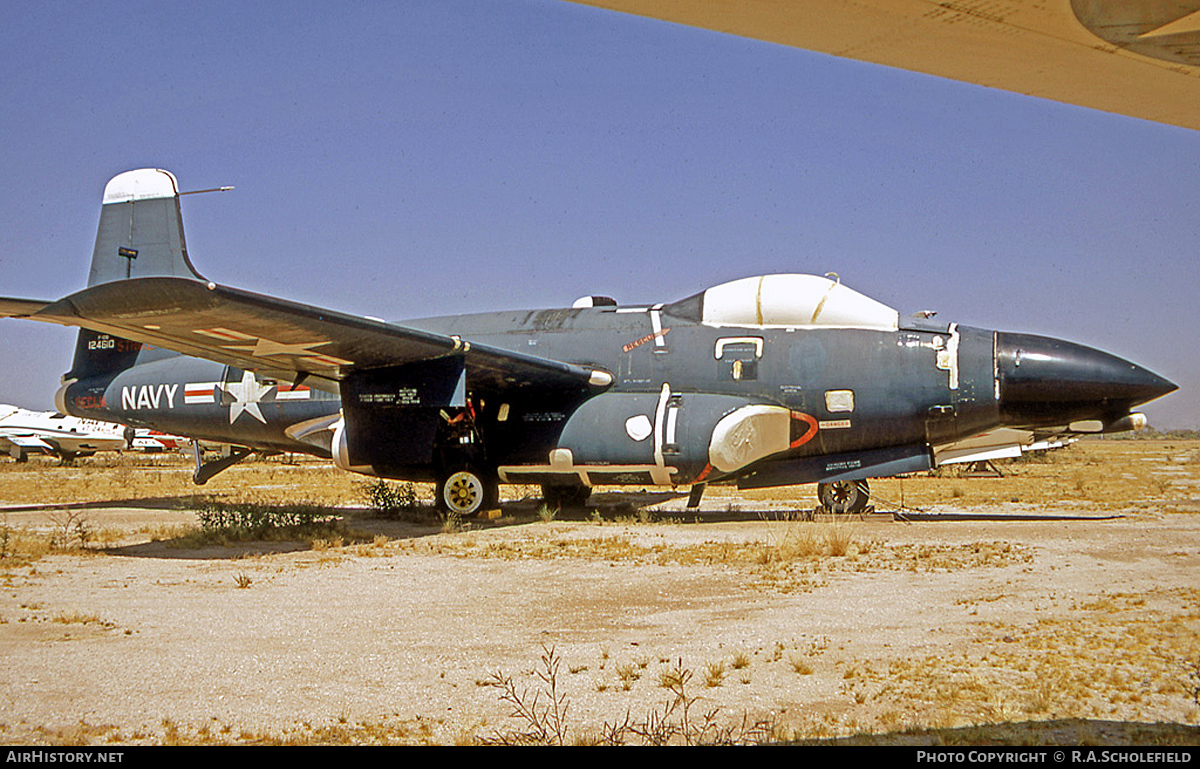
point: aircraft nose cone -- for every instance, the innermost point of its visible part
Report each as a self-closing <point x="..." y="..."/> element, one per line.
<point x="1046" y="381"/>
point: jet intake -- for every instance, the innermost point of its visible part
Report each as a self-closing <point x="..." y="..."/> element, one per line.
<point x="670" y="438"/>
<point x="340" y="448"/>
<point x="748" y="435"/>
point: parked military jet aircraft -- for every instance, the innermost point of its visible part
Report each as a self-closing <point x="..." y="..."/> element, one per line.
<point x="770" y="380"/>
<point x="23" y="432"/>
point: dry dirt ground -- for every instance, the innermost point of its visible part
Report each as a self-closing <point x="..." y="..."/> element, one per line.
<point x="1065" y="593"/>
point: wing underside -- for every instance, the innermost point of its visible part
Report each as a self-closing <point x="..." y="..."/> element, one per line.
<point x="1138" y="57"/>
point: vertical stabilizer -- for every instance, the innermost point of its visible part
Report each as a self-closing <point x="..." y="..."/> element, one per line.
<point x="140" y="236"/>
<point x="141" y="229"/>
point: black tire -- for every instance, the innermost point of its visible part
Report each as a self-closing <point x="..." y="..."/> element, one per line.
<point x="844" y="496"/>
<point x="467" y="492"/>
<point x="580" y="497"/>
<point x="563" y="497"/>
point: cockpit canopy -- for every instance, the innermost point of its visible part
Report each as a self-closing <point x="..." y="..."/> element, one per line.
<point x="785" y="301"/>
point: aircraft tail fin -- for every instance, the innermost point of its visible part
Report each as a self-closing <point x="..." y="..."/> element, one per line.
<point x="141" y="229"/>
<point x="140" y="236"/>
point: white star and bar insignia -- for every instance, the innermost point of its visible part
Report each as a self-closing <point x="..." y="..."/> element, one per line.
<point x="247" y="394"/>
<point x="265" y="348"/>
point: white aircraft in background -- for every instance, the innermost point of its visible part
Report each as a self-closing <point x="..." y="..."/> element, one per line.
<point x="23" y="432"/>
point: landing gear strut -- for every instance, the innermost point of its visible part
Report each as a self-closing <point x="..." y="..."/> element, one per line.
<point x="844" y="496"/>
<point x="205" y="470"/>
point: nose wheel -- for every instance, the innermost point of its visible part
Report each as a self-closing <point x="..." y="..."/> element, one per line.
<point x="844" y="496"/>
<point x="466" y="492"/>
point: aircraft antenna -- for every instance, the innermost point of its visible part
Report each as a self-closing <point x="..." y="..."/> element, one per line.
<point x="212" y="189"/>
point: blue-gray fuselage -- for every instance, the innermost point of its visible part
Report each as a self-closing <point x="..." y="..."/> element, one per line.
<point x="847" y="392"/>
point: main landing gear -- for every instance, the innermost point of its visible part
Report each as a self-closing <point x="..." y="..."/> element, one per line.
<point x="844" y="496"/>
<point x="467" y="491"/>
<point x="559" y="497"/>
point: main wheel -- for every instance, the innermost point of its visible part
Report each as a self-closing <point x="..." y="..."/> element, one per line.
<point x="466" y="492"/>
<point x="844" y="496"/>
<point x="565" y="496"/>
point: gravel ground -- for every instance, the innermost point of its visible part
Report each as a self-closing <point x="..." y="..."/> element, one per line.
<point x="938" y="624"/>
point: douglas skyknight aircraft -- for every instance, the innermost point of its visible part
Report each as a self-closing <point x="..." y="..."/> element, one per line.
<point x="768" y="381"/>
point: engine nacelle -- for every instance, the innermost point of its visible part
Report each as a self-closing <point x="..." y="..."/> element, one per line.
<point x="665" y="439"/>
<point x="341" y="451"/>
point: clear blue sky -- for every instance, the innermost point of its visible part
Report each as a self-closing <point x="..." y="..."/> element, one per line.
<point x="405" y="159"/>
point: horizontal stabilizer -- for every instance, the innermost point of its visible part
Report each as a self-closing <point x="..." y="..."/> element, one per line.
<point x="28" y="442"/>
<point x="19" y="308"/>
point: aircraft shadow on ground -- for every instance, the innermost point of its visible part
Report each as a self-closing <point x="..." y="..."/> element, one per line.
<point x="149" y="503"/>
<point x="360" y="526"/>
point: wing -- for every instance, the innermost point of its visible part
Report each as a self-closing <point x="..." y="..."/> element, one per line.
<point x="1137" y="57"/>
<point x="19" y="308"/>
<point x="283" y="339"/>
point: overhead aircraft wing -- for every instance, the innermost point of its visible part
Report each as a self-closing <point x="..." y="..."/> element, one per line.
<point x="283" y="339"/>
<point x="1133" y="57"/>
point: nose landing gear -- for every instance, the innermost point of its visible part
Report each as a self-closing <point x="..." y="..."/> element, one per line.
<point x="844" y="496"/>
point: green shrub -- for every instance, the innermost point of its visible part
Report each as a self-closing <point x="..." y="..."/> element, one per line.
<point x="249" y="521"/>
<point x="393" y="501"/>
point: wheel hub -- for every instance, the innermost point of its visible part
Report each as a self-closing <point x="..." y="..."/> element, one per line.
<point x="464" y="492"/>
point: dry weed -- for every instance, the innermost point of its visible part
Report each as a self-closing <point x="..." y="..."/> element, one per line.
<point x="714" y="674"/>
<point x="1114" y="655"/>
<point x="627" y="673"/>
<point x="800" y="664"/>
<point x="76" y="617"/>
